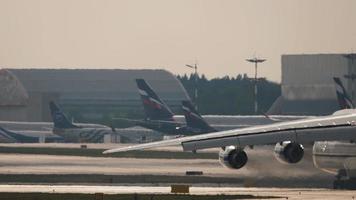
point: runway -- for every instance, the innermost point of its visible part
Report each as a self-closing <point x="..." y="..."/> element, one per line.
<point x="262" y="178"/>
<point x="257" y="193"/>
<point x="262" y="170"/>
<point x="261" y="163"/>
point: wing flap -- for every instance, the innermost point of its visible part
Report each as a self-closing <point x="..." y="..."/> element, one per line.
<point x="209" y="143"/>
<point x="241" y="140"/>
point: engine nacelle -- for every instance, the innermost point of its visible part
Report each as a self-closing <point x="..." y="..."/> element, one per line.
<point x="233" y="158"/>
<point x="289" y="152"/>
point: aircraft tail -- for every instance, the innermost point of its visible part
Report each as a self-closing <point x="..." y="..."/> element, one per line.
<point x="60" y="120"/>
<point x="155" y="108"/>
<point x="343" y="98"/>
<point x="194" y="119"/>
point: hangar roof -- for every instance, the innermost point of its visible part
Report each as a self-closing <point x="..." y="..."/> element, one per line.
<point x="11" y="89"/>
<point x="99" y="84"/>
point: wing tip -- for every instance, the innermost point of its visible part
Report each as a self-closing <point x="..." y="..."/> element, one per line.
<point x="108" y="151"/>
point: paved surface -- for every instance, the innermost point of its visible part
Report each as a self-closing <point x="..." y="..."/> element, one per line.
<point x="261" y="164"/>
<point x="262" y="170"/>
<point x="262" y="192"/>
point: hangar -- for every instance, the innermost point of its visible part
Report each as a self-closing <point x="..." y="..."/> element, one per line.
<point x="307" y="83"/>
<point x="88" y="95"/>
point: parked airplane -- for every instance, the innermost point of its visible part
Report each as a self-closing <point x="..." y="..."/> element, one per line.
<point x="194" y="120"/>
<point x="18" y="126"/>
<point x="77" y="132"/>
<point x="158" y="115"/>
<point x="160" y="118"/>
<point x="28" y="132"/>
<point x="8" y="136"/>
<point x="154" y="106"/>
<point x="289" y="138"/>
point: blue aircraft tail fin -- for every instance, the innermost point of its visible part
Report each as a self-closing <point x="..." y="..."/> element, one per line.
<point x="60" y="120"/>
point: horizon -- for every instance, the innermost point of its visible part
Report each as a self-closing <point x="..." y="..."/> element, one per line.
<point x="134" y="34"/>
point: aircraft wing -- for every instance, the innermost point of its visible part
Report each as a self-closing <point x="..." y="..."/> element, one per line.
<point x="145" y="121"/>
<point x="341" y="126"/>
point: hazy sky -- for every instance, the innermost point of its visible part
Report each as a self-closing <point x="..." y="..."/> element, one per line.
<point x="168" y="34"/>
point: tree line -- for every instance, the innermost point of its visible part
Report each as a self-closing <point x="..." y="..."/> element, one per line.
<point x="231" y="95"/>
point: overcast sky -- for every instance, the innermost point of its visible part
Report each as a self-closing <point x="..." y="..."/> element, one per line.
<point x="131" y="34"/>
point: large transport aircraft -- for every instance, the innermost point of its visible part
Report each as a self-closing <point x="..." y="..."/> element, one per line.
<point x="334" y="148"/>
<point x="288" y="138"/>
<point x="93" y="133"/>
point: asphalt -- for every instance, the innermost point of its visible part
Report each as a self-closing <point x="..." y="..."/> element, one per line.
<point x="262" y="170"/>
<point x="262" y="177"/>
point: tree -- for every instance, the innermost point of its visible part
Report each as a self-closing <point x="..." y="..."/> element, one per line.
<point x="230" y="96"/>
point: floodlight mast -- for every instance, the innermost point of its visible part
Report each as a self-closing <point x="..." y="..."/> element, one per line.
<point x="195" y="67"/>
<point x="256" y="61"/>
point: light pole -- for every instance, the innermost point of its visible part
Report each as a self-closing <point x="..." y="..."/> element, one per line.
<point x="351" y="76"/>
<point x="256" y="61"/>
<point x="195" y="67"/>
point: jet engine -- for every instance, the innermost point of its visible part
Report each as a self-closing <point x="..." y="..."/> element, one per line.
<point x="232" y="157"/>
<point x="289" y="152"/>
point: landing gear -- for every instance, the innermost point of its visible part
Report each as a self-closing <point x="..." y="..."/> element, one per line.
<point x="343" y="182"/>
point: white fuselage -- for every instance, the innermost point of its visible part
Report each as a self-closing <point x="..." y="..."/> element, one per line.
<point x="45" y="129"/>
<point x="39" y="126"/>
<point x="92" y="135"/>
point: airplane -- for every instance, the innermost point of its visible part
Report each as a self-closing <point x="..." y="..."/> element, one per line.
<point x="28" y="126"/>
<point x="194" y="120"/>
<point x="155" y="108"/>
<point x="342" y="96"/>
<point x="93" y="133"/>
<point x="159" y="117"/>
<point x="333" y="138"/>
<point x="9" y="136"/>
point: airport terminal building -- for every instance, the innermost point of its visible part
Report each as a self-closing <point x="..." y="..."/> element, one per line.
<point x="307" y="83"/>
<point x="88" y="95"/>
